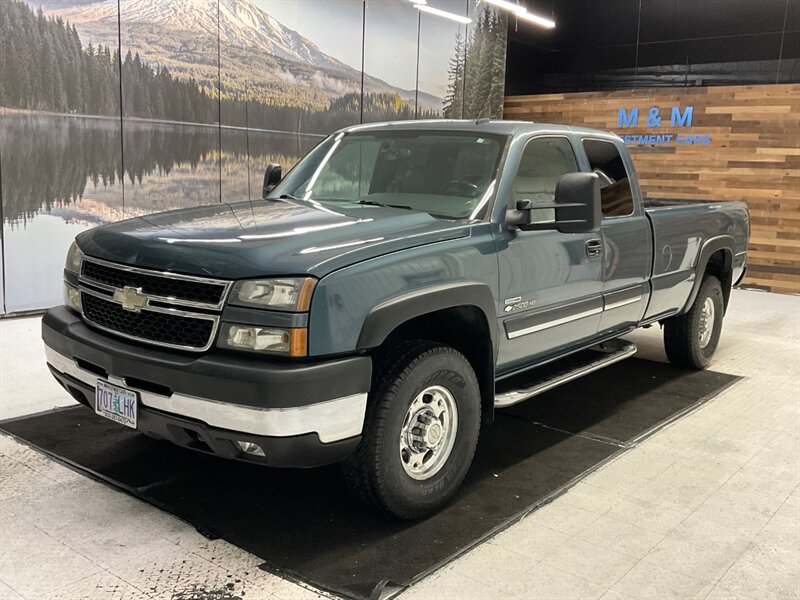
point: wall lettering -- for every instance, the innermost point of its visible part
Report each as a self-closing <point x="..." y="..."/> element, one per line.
<point x="655" y="118"/>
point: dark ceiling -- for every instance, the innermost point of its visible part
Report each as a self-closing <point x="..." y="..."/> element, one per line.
<point x="620" y="44"/>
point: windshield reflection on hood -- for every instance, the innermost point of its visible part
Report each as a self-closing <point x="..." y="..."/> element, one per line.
<point x="265" y="236"/>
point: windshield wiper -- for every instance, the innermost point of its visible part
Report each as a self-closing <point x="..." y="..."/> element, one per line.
<point x="288" y="197"/>
<point x="373" y="203"/>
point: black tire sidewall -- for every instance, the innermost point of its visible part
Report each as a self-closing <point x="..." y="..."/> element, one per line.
<point x="710" y="289"/>
<point x="452" y="371"/>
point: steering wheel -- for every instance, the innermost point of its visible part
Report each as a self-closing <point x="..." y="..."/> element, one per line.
<point x="459" y="187"/>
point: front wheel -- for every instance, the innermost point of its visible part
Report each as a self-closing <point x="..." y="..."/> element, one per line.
<point x="420" y="432"/>
<point x="691" y="339"/>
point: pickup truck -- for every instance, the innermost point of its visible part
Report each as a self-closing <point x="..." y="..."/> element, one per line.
<point x="376" y="306"/>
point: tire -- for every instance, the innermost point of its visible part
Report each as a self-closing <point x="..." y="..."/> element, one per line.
<point x="687" y="339"/>
<point x="390" y="477"/>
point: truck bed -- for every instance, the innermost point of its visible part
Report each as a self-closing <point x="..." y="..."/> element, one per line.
<point x="681" y="229"/>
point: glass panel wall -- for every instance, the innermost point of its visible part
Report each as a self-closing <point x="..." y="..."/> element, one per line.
<point x="151" y="105"/>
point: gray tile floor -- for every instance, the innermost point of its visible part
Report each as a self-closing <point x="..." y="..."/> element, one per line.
<point x="707" y="508"/>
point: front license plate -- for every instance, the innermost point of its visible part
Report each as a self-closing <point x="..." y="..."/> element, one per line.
<point x="115" y="403"/>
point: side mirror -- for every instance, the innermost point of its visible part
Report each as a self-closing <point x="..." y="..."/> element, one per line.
<point x="272" y="177"/>
<point x="576" y="204"/>
<point x="577" y="199"/>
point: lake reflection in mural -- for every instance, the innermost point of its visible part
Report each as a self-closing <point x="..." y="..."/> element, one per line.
<point x="65" y="174"/>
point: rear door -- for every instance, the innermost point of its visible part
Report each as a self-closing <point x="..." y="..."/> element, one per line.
<point x="550" y="282"/>
<point x="627" y="239"/>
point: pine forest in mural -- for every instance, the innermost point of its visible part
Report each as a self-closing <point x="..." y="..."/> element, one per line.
<point x="478" y="62"/>
<point x="74" y="79"/>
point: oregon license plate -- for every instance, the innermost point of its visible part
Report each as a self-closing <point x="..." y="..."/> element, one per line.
<point x="115" y="403"/>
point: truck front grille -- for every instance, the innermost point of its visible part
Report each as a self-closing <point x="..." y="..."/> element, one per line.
<point x="166" y="309"/>
<point x="173" y="330"/>
<point x="167" y="287"/>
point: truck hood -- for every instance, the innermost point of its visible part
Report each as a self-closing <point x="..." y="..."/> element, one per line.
<point x="265" y="237"/>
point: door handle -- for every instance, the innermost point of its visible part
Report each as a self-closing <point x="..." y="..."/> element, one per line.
<point x="594" y="248"/>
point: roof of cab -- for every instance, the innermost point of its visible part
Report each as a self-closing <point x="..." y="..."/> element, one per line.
<point x="481" y="125"/>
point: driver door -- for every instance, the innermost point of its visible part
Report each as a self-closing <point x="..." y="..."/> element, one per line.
<point x="550" y="282"/>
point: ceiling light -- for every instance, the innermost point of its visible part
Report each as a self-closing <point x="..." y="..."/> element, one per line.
<point x="510" y="6"/>
<point x="522" y="13"/>
<point x="442" y="13"/>
<point x="542" y="21"/>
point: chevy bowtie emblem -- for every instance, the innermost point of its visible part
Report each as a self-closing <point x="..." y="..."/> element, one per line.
<point x="131" y="298"/>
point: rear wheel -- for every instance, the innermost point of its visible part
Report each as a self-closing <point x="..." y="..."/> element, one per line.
<point x="691" y="339"/>
<point x="420" y="431"/>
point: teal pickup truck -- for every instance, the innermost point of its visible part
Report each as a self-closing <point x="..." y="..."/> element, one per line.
<point x="372" y="308"/>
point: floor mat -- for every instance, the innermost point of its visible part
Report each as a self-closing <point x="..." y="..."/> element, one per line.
<point x="304" y="525"/>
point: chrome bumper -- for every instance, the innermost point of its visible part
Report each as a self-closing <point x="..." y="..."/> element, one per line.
<point x="332" y="420"/>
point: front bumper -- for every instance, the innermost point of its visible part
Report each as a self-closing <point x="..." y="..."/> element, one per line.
<point x="301" y="414"/>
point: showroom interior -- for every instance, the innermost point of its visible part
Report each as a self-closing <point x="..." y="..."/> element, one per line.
<point x="523" y="322"/>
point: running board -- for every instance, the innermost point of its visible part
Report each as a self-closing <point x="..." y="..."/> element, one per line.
<point x="610" y="353"/>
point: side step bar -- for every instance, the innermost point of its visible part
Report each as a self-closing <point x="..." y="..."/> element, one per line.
<point x="609" y="353"/>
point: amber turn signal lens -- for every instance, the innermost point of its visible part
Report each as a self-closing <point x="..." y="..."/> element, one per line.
<point x="306" y="291"/>
<point x="299" y="342"/>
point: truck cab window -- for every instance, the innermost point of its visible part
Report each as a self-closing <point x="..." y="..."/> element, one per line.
<point x="544" y="161"/>
<point x="615" y="187"/>
<point x="443" y="173"/>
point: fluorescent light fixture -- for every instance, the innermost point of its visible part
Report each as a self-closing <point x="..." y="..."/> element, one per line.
<point x="418" y="1"/>
<point x="522" y="13"/>
<point x="542" y="21"/>
<point x="442" y="13"/>
<point x="510" y="6"/>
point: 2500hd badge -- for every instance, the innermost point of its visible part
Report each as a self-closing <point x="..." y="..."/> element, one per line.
<point x="512" y="304"/>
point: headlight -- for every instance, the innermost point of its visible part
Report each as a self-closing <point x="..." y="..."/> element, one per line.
<point x="74" y="258"/>
<point x="290" y="342"/>
<point x="292" y="294"/>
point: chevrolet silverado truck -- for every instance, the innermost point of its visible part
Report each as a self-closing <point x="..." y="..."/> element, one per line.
<point x="381" y="301"/>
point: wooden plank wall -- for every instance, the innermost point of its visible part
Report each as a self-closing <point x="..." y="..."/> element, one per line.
<point x="754" y="155"/>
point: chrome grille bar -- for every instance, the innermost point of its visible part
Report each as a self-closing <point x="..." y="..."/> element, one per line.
<point x="224" y="285"/>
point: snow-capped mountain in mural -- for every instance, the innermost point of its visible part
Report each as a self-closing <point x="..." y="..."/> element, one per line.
<point x="182" y="34"/>
<point x="241" y="23"/>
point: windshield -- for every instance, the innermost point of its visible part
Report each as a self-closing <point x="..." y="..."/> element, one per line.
<point x="447" y="174"/>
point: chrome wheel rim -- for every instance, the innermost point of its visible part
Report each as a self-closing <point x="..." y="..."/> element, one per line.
<point x="429" y="432"/>
<point x="706" y="322"/>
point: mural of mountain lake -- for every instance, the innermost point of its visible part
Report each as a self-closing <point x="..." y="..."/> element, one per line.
<point x="60" y="175"/>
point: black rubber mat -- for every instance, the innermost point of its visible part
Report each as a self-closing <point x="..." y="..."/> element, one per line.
<point x="303" y="524"/>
